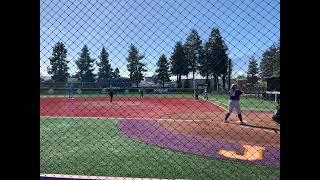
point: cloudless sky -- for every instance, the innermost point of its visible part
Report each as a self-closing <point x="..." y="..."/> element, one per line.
<point x="248" y="27"/>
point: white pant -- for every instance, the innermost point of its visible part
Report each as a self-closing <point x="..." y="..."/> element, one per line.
<point x="234" y="105"/>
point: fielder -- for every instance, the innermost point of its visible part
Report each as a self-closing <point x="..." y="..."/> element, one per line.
<point x="197" y="94"/>
<point x="141" y="92"/>
<point x="70" y="91"/>
<point x="234" y="98"/>
<point x="111" y="94"/>
<point x="205" y="94"/>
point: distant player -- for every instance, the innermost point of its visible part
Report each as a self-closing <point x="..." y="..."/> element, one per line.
<point x="141" y="92"/>
<point x="234" y="98"/>
<point x="196" y="95"/>
<point x="70" y="91"/>
<point x="205" y="94"/>
<point x="111" y="94"/>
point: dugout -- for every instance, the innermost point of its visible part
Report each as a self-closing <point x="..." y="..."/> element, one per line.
<point x="273" y="88"/>
<point x="273" y="83"/>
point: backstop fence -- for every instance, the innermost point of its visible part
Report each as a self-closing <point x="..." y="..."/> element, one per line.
<point x="170" y="89"/>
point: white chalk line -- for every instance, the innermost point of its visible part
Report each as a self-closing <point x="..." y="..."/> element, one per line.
<point x="92" y="177"/>
<point x="215" y="104"/>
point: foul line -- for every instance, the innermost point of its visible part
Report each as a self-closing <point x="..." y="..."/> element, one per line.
<point x="214" y="104"/>
<point x="275" y="130"/>
<point x="90" y="177"/>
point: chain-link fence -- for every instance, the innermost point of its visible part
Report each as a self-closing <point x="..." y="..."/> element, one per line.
<point x="160" y="89"/>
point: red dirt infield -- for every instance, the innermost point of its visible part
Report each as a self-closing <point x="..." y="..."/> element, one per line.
<point x="150" y="108"/>
<point x="154" y="108"/>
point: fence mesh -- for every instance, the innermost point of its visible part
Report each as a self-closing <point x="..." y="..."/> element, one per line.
<point x="181" y="89"/>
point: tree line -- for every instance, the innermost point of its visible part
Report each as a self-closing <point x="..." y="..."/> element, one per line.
<point x="209" y="59"/>
<point x="85" y="63"/>
<point x="269" y="66"/>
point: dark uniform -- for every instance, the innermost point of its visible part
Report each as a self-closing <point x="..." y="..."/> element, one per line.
<point x="111" y="94"/>
<point x="197" y="95"/>
<point x="70" y="91"/>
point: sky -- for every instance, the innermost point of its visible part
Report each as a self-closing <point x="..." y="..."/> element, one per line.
<point x="248" y="28"/>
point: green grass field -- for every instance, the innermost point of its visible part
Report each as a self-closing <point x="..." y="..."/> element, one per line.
<point x="96" y="147"/>
<point x="245" y="103"/>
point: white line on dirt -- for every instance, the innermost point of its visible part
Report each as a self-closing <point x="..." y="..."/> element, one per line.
<point x="215" y="104"/>
<point x="92" y="177"/>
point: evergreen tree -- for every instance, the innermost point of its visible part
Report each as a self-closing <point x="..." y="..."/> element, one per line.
<point x="276" y="65"/>
<point x="85" y="66"/>
<point x="217" y="54"/>
<point x="135" y="66"/>
<point x="163" y="70"/>
<point x="252" y="74"/>
<point x="193" y="52"/>
<point x="267" y="62"/>
<point x="116" y="73"/>
<point x="178" y="62"/>
<point x="105" y="70"/>
<point x="203" y="67"/>
<point x="59" y="65"/>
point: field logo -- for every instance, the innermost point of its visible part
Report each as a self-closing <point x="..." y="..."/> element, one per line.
<point x="251" y="153"/>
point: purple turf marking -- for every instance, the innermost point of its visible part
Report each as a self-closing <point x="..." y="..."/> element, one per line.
<point x="151" y="132"/>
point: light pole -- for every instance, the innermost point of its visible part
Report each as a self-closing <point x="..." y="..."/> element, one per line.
<point x="194" y="82"/>
<point x="229" y="72"/>
<point x="194" y="89"/>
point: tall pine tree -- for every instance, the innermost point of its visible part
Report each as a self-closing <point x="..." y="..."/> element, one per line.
<point x="59" y="65"/>
<point x="229" y="73"/>
<point x="186" y="67"/>
<point x="203" y="67"/>
<point x="193" y="51"/>
<point x="163" y="70"/>
<point x="116" y="73"/>
<point x="267" y="62"/>
<point x="85" y="66"/>
<point x="218" y="58"/>
<point x="135" y="66"/>
<point x="252" y="74"/>
<point x="276" y="65"/>
<point x="178" y="62"/>
<point x="105" y="70"/>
